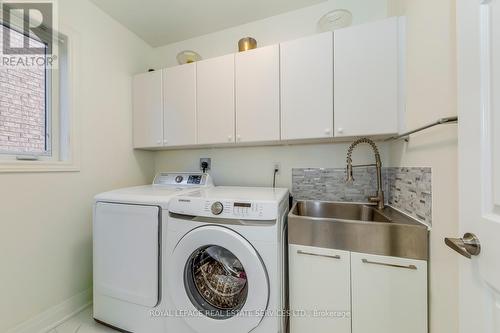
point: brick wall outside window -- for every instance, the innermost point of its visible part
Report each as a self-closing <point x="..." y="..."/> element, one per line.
<point x="22" y="108"/>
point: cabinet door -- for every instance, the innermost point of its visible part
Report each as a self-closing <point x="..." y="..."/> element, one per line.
<point x="389" y="295"/>
<point x="257" y="95"/>
<point x="148" y="110"/>
<point x="319" y="281"/>
<point x="180" y="105"/>
<point x="215" y="91"/>
<point x="307" y="87"/>
<point x="366" y="75"/>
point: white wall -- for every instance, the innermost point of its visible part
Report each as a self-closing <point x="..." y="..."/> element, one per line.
<point x="431" y="84"/>
<point x="254" y="166"/>
<point x="45" y="218"/>
<point x="287" y="26"/>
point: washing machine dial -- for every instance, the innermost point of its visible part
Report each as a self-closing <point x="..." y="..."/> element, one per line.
<point x="217" y="208"/>
<point x="179" y="179"/>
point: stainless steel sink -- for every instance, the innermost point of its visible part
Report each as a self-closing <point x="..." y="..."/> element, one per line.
<point x="357" y="228"/>
<point x="343" y="211"/>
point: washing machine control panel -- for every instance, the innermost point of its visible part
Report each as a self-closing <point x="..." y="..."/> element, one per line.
<point x="245" y="209"/>
<point x="234" y="209"/>
<point x="257" y="204"/>
<point x="220" y="208"/>
<point x="217" y="208"/>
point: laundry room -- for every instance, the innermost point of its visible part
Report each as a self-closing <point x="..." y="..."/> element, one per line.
<point x="279" y="166"/>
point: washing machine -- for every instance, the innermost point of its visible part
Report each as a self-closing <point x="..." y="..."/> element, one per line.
<point x="226" y="257"/>
<point x="128" y="240"/>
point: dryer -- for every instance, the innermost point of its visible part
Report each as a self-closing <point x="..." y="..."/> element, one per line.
<point x="226" y="257"/>
<point x="128" y="241"/>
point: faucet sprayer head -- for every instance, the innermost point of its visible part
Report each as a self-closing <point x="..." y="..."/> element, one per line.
<point x="350" y="176"/>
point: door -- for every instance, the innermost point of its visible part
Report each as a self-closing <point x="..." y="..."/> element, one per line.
<point x="180" y="105"/>
<point x="148" y="110"/>
<point x="366" y="75"/>
<point x="126" y="252"/>
<point x="307" y="87"/>
<point x="478" y="23"/>
<point x="257" y="95"/>
<point x="215" y="98"/>
<point x="320" y="280"/>
<point x="389" y="295"/>
<point x="216" y="272"/>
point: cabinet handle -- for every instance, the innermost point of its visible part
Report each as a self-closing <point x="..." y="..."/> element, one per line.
<point x="318" y="255"/>
<point x="366" y="261"/>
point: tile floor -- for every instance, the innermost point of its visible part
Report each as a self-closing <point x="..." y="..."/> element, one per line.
<point x="82" y="323"/>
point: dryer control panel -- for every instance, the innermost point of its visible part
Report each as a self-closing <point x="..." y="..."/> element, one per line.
<point x="183" y="179"/>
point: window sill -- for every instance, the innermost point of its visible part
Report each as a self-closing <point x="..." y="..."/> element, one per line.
<point x="37" y="166"/>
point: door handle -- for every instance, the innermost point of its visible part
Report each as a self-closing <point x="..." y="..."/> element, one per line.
<point x="467" y="246"/>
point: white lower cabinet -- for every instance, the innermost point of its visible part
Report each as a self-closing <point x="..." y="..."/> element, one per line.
<point x="381" y="294"/>
<point x="389" y="295"/>
<point x="319" y="281"/>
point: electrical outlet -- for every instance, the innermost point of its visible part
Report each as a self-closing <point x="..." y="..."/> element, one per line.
<point x="208" y="162"/>
<point x="277" y="166"/>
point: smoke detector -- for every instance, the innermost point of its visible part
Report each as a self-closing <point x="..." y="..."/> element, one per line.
<point x="336" y="19"/>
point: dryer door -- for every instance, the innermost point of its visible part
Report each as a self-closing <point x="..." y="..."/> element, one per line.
<point x="225" y="283"/>
<point x="126" y="252"/>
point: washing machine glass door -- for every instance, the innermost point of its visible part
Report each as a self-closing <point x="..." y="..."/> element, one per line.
<point x="216" y="282"/>
<point x="225" y="283"/>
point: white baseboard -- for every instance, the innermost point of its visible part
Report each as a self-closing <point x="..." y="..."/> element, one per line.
<point x="53" y="317"/>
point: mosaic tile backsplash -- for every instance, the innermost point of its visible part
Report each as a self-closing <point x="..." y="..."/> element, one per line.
<point x="406" y="189"/>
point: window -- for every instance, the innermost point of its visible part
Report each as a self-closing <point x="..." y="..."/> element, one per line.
<point x="36" y="120"/>
<point x="24" y="112"/>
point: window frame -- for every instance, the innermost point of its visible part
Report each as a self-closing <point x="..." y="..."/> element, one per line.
<point x="62" y="138"/>
<point x="48" y="108"/>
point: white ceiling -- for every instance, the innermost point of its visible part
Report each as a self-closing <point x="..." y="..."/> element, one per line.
<point x="161" y="22"/>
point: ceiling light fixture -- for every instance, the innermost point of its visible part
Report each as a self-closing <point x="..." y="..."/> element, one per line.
<point x="187" y="57"/>
<point x="336" y="19"/>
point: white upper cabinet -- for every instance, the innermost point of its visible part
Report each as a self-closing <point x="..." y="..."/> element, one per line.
<point x="346" y="83"/>
<point x="307" y="87"/>
<point x="215" y="99"/>
<point x="367" y="78"/>
<point x="148" y="110"/>
<point x="180" y="105"/>
<point x="257" y="95"/>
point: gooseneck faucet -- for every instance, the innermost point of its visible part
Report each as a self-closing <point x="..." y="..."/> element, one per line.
<point x="379" y="198"/>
